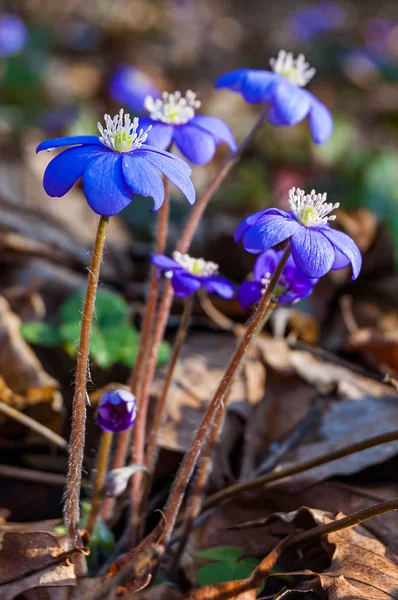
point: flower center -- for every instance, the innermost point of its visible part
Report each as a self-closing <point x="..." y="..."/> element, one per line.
<point x="296" y="70"/>
<point x="121" y="134"/>
<point x="311" y="209"/>
<point x="195" y="266"/>
<point x="172" y="108"/>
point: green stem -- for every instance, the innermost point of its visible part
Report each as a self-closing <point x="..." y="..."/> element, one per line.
<point x="299" y="468"/>
<point x="187" y="466"/>
<point x="77" y="437"/>
<point x="102" y="466"/>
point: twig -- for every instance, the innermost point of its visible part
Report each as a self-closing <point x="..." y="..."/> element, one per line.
<point x="32" y="475"/>
<point x="218" y="402"/>
<point x="124" y="439"/>
<point x="34" y="425"/>
<point x="299" y="468"/>
<point x="77" y="437"/>
<point x="102" y="465"/>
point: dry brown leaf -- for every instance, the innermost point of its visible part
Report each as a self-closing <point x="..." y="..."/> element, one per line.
<point x="383" y="346"/>
<point x="30" y="560"/>
<point x="203" y="360"/>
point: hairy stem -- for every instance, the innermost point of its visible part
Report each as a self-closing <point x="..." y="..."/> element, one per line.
<point x="299" y="468"/>
<point x="187" y="466"/>
<point x="124" y="438"/>
<point x="102" y="465"/>
<point x="205" y="468"/>
<point x="77" y="437"/>
<point x="167" y="298"/>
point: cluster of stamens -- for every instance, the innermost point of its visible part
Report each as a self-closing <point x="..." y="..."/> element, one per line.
<point x="195" y="266"/>
<point x="296" y="70"/>
<point x="311" y="209"/>
<point x="121" y="134"/>
<point x="174" y="108"/>
<point x="280" y="289"/>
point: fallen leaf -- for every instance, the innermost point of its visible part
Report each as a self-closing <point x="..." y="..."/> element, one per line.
<point x="30" y="560"/>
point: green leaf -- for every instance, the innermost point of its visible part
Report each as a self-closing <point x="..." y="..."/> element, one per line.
<point x="221" y="572"/>
<point x="164" y="352"/>
<point x="102" y="541"/>
<point x="110" y="308"/>
<point x="41" y="334"/>
<point x="223" y="553"/>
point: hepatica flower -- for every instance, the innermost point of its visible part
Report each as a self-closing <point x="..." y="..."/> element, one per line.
<point x="283" y="89"/>
<point x="13" y="35"/>
<point x="188" y="274"/>
<point x="130" y="86"/>
<point x="291" y="287"/>
<point x="114" y="166"/>
<point x="116" y="410"/>
<point x="173" y="119"/>
<point x="316" y="247"/>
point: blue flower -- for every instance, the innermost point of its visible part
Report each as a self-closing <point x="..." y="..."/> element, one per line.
<point x="291" y="287"/>
<point x="117" y="410"/>
<point x="114" y="167"/>
<point x="13" y="35"/>
<point x="283" y="89"/>
<point x="130" y="86"/>
<point x="188" y="274"/>
<point x="173" y="119"/>
<point x="308" y="23"/>
<point x="316" y="247"/>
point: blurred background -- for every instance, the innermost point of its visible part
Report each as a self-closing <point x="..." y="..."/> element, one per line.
<point x="64" y="64"/>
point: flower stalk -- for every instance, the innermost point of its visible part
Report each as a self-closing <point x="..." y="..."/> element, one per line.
<point x="77" y="437"/>
<point x="100" y="475"/>
<point x="187" y="466"/>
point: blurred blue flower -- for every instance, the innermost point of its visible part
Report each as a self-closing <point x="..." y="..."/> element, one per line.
<point x="130" y="86"/>
<point x="307" y="23"/>
<point x="114" y="167"/>
<point x="188" y="274"/>
<point x="316" y="247"/>
<point x="13" y="35"/>
<point x="173" y="119"/>
<point x="116" y="410"/>
<point x="292" y="284"/>
<point x="283" y="89"/>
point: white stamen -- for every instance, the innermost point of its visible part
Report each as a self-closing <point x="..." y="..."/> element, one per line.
<point x="196" y="266"/>
<point x="295" y="70"/>
<point x="121" y="134"/>
<point x="172" y="108"/>
<point x="311" y="209"/>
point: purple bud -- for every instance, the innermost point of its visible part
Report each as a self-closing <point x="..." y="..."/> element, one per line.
<point x="116" y="410"/>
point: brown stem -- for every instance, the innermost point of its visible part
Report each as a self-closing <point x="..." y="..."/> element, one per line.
<point x="77" y="437"/>
<point x="299" y="468"/>
<point x="124" y="438"/>
<point x="35" y="426"/>
<point x="167" y="298"/>
<point x="354" y="519"/>
<point x="187" y="466"/>
<point x="102" y="466"/>
<point x="205" y="468"/>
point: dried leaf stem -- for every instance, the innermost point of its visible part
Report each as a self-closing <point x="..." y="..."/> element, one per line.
<point x="100" y="475"/>
<point x="297" y="468"/>
<point x="77" y="437"/>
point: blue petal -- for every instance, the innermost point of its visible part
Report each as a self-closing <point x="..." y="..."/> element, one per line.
<point x="165" y="263"/>
<point x="154" y="150"/>
<point x="175" y="169"/>
<point x="269" y="231"/>
<point x="184" y="284"/>
<point x="266" y="263"/>
<point x="104" y="186"/>
<point x="312" y="252"/>
<point x="219" y="130"/>
<point x="71" y="140"/>
<point x="251" y="219"/>
<point x="346" y="246"/>
<point x="232" y="80"/>
<point x="160" y="135"/>
<point x="129" y="87"/>
<point x="320" y="121"/>
<point x="143" y="178"/>
<point x="258" y="86"/>
<point x="249" y="292"/>
<point x="218" y="285"/>
<point x="195" y="144"/>
<point x="340" y="261"/>
<point x="290" y="103"/>
<point x="66" y="168"/>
